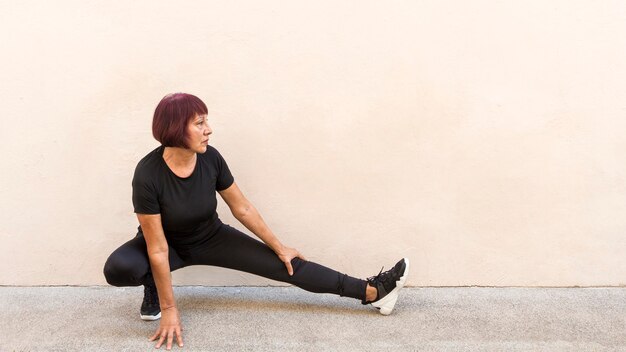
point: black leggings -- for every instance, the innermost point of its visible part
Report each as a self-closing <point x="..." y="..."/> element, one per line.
<point x="229" y="248"/>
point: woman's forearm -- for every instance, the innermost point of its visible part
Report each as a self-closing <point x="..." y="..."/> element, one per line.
<point x="160" y="266"/>
<point x="252" y="220"/>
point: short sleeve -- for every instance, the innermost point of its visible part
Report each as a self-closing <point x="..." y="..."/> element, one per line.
<point x="224" y="178"/>
<point x="145" y="197"/>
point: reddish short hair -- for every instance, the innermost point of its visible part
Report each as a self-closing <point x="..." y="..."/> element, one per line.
<point x="171" y="116"/>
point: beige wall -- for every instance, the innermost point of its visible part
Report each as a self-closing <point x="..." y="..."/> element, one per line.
<point x="485" y="140"/>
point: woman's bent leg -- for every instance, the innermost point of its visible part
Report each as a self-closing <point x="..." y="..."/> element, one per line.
<point x="230" y="248"/>
<point x="129" y="264"/>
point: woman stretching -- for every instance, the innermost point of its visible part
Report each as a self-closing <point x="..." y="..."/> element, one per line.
<point x="174" y="189"/>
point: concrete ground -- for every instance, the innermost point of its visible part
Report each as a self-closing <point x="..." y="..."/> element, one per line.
<point x="290" y="319"/>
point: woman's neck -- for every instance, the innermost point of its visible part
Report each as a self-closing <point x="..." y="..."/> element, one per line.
<point x="179" y="157"/>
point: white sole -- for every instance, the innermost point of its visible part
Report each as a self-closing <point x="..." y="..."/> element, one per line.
<point x="385" y="305"/>
<point x="150" y="317"/>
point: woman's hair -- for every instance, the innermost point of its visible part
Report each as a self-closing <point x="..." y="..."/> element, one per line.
<point x="171" y="116"/>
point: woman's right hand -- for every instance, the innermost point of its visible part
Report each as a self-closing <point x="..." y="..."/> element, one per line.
<point x="168" y="327"/>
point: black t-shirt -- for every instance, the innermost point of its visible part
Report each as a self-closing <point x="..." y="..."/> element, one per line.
<point x="187" y="205"/>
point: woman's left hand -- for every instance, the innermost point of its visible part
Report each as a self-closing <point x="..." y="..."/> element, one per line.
<point x="286" y="254"/>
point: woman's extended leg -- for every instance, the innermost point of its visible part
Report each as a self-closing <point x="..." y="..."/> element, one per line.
<point x="230" y="248"/>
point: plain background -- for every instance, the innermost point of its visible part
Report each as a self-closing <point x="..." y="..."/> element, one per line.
<point x="485" y="140"/>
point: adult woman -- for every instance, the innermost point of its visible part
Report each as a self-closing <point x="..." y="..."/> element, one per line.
<point x="174" y="198"/>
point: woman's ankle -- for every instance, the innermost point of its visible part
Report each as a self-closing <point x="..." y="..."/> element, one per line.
<point x="370" y="293"/>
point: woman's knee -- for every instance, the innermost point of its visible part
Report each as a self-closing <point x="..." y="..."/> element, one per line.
<point x="296" y="264"/>
<point x="120" y="272"/>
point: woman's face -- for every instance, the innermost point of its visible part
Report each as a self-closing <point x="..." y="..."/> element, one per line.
<point x="198" y="131"/>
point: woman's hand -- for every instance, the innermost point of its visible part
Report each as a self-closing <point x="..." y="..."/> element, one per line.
<point x="286" y="254"/>
<point x="168" y="327"/>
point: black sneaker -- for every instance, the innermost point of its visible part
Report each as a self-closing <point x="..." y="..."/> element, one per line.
<point x="150" y="308"/>
<point x="388" y="284"/>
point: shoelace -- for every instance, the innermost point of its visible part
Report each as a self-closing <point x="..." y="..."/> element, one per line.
<point x="381" y="277"/>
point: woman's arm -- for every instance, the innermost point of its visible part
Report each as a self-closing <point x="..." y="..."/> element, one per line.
<point x="159" y="262"/>
<point x="247" y="214"/>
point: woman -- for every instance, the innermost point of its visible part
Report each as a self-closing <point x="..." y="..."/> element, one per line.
<point x="174" y="198"/>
